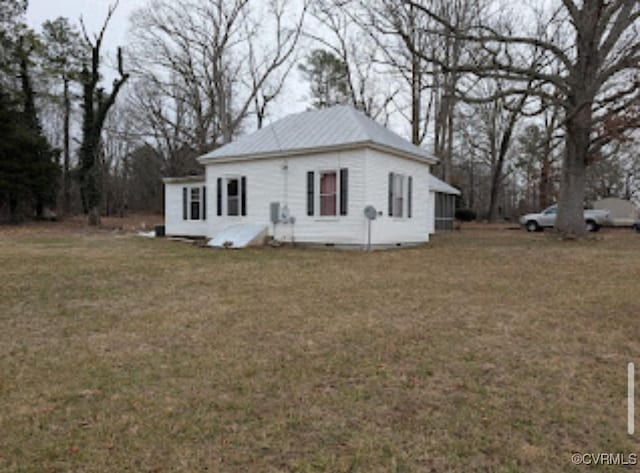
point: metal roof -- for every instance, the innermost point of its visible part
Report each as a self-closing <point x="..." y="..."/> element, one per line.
<point x="341" y="126"/>
<point x="437" y="185"/>
<point x="183" y="180"/>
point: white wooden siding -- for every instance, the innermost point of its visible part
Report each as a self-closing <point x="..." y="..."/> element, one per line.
<point x="388" y="230"/>
<point x="174" y="223"/>
<point x="284" y="180"/>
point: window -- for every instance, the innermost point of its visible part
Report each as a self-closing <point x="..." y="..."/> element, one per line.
<point x="328" y="193"/>
<point x="194" y="203"/>
<point x="400" y="195"/>
<point x="231" y="196"/>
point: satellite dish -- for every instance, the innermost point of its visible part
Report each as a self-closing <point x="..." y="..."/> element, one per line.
<point x="370" y="212"/>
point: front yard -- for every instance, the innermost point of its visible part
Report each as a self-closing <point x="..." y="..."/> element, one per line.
<point x="488" y="350"/>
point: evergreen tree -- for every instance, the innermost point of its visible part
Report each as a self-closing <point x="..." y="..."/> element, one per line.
<point x="28" y="169"/>
<point x="327" y="76"/>
<point x="42" y="169"/>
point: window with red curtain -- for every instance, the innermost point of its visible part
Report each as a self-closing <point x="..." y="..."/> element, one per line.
<point x="328" y="193"/>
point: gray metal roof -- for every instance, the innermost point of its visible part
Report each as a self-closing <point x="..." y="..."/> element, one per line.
<point x="317" y="130"/>
<point x="437" y="185"/>
<point x="183" y="180"/>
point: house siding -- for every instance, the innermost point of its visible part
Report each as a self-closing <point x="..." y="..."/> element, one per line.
<point x="284" y="180"/>
<point x="387" y="230"/>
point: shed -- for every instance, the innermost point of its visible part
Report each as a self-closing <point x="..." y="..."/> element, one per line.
<point x="623" y="213"/>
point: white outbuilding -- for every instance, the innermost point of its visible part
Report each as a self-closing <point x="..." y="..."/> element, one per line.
<point x="622" y="213"/>
<point x="308" y="178"/>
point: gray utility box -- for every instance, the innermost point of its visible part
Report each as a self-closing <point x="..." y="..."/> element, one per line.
<point x="275" y="212"/>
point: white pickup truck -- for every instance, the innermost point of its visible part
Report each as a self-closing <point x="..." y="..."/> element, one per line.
<point x="594" y="219"/>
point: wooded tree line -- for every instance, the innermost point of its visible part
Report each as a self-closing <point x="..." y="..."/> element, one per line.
<point x="522" y="106"/>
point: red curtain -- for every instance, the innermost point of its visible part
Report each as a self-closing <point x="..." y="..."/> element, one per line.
<point x="328" y="192"/>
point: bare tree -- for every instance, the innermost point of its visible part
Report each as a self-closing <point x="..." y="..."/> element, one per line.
<point x="408" y="41"/>
<point x="208" y="62"/>
<point x="592" y="76"/>
<point x="267" y="84"/>
<point x="62" y="53"/>
<point x="339" y="32"/>
<point x="96" y="106"/>
<point x="494" y="124"/>
<point x="164" y="125"/>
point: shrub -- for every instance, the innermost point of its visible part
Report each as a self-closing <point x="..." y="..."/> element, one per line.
<point x="465" y="215"/>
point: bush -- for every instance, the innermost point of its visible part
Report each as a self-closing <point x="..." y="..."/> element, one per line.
<point x="465" y="215"/>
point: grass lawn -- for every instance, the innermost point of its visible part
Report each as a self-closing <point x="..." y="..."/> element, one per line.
<point x="487" y="351"/>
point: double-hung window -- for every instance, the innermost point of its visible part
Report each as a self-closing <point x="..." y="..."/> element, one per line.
<point x="194" y="203"/>
<point x="400" y="195"/>
<point x="397" y="191"/>
<point x="232" y="196"/>
<point x="327" y="193"/>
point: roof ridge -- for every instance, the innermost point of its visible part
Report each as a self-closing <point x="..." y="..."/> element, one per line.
<point x="340" y="125"/>
<point x="359" y="116"/>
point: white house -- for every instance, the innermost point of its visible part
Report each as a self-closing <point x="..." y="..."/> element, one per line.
<point x="307" y="178"/>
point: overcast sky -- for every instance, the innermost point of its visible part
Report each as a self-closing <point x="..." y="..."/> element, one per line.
<point x="94" y="12"/>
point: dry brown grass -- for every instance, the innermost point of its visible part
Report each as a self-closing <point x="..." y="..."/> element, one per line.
<point x="488" y="350"/>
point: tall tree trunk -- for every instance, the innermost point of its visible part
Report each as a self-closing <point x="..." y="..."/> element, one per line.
<point x="66" y="185"/>
<point x="496" y="178"/>
<point x="416" y="85"/>
<point x="544" y="184"/>
<point x="505" y="142"/>
<point x="96" y="107"/>
<point x="570" y="221"/>
<point x="446" y="170"/>
<point x="416" y="105"/>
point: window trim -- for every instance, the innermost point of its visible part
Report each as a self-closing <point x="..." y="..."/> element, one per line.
<point x="238" y="197"/>
<point x="224" y="195"/>
<point x="197" y="190"/>
<point x="336" y="193"/>
<point x="188" y="201"/>
<point x="407" y="207"/>
<point x="316" y="198"/>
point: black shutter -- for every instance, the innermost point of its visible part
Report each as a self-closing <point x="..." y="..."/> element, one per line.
<point x="185" y="209"/>
<point x="410" y="197"/>
<point x="390" y="194"/>
<point x="219" y="209"/>
<point x="310" y="193"/>
<point x="243" y="196"/>
<point x="204" y="202"/>
<point x="344" y="191"/>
